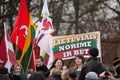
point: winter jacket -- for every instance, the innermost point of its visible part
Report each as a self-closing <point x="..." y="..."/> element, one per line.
<point x="43" y="69"/>
<point x="92" y="65"/>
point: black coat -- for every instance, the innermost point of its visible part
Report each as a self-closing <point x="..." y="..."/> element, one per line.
<point x="37" y="76"/>
<point x="4" y="77"/>
<point x="21" y="76"/>
<point x="92" y="65"/>
<point x="43" y="69"/>
<point x="55" y="77"/>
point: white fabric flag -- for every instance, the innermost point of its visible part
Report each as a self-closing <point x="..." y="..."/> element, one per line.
<point x="45" y="29"/>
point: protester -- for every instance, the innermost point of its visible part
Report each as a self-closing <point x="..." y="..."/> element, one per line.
<point x="55" y="74"/>
<point x="37" y="76"/>
<point x="72" y="73"/>
<point x="64" y="74"/>
<point x="79" y="61"/>
<point x="18" y="69"/>
<point x="57" y="63"/>
<point x="91" y="76"/>
<point x="4" y="74"/>
<point x="106" y="75"/>
<point x="92" y="64"/>
<point x="40" y="66"/>
<point x="29" y="72"/>
<point x="18" y="73"/>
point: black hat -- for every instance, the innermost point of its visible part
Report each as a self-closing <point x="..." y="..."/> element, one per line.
<point x="94" y="52"/>
<point x="3" y="70"/>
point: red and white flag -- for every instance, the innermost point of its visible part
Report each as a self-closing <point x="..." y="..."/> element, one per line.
<point x="21" y="25"/>
<point x="7" y="54"/>
<point x="43" y="35"/>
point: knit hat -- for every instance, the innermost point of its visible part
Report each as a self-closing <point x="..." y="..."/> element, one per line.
<point x="116" y="61"/>
<point x="91" y="76"/>
<point x="94" y="52"/>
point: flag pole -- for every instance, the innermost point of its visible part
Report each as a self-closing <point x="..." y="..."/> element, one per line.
<point x="34" y="58"/>
<point x="16" y="48"/>
<point x="33" y="49"/>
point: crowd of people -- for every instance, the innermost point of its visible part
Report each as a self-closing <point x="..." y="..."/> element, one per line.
<point x="91" y="69"/>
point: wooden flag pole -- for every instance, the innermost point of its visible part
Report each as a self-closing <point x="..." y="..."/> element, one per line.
<point x="16" y="48"/>
<point x="34" y="59"/>
<point x="33" y="49"/>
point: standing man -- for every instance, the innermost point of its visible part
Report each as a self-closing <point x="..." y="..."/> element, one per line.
<point x="92" y="64"/>
<point x="3" y="72"/>
<point x="40" y="66"/>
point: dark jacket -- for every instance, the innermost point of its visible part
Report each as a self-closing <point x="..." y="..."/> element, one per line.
<point x="37" y="76"/>
<point x="43" y="69"/>
<point x="55" y="77"/>
<point x="92" y="65"/>
<point x="5" y="77"/>
<point x="117" y="76"/>
<point x="108" y="79"/>
<point x="21" y="76"/>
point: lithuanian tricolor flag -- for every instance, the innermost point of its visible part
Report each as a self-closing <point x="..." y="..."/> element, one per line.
<point x="28" y="48"/>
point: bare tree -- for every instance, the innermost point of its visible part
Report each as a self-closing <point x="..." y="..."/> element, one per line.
<point x="70" y="16"/>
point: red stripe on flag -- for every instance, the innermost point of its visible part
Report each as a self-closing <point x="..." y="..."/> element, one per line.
<point x="32" y="62"/>
<point x="3" y="55"/>
<point x="41" y="36"/>
<point x="12" y="57"/>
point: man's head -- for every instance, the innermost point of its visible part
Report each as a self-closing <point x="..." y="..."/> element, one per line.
<point x="94" y="52"/>
<point x="4" y="74"/>
<point x="91" y="76"/>
<point x="55" y="72"/>
<point x="72" y="72"/>
<point x="39" y="61"/>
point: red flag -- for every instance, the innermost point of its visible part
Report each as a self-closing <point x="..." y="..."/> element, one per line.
<point x="21" y="25"/>
<point x="7" y="54"/>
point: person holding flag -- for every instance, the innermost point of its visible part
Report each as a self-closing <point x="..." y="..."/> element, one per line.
<point x="40" y="67"/>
